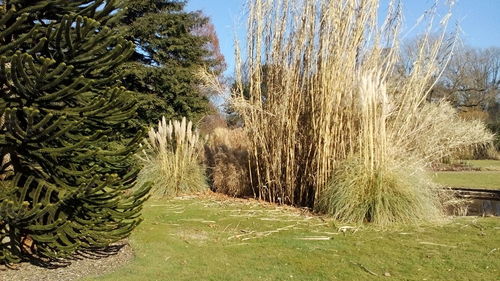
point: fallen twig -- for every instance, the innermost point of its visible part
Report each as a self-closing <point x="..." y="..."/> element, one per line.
<point x="261" y="234"/>
<point x="239" y="244"/>
<point x="198" y="220"/>
<point x="318" y="238"/>
<point x="326" y="232"/>
<point x="436" y="244"/>
<point x="344" y="229"/>
<point x="364" y="268"/>
<point x="240" y="235"/>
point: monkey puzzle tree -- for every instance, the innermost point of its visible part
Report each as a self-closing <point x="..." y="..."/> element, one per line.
<point x="64" y="187"/>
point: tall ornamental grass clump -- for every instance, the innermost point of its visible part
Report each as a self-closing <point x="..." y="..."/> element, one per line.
<point x="392" y="194"/>
<point x="334" y="121"/>
<point x="171" y="159"/>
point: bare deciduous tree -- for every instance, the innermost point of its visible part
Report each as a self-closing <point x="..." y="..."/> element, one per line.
<point x="472" y="78"/>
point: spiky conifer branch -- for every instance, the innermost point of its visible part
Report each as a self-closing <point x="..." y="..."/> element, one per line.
<point x="61" y="106"/>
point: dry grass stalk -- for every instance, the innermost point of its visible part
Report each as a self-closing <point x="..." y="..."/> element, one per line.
<point x="210" y="83"/>
<point x="436" y="131"/>
<point x="171" y="159"/>
<point x="323" y="95"/>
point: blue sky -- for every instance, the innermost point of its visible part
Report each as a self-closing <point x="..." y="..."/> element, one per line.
<point x="479" y="20"/>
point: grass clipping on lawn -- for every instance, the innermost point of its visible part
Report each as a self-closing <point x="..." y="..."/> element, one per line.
<point x="334" y="122"/>
<point x="171" y="159"/>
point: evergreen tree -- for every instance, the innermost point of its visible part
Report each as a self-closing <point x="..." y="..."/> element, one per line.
<point x="64" y="186"/>
<point x="171" y="46"/>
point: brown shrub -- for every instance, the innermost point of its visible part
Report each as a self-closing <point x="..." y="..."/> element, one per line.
<point x="211" y="122"/>
<point x="226" y="156"/>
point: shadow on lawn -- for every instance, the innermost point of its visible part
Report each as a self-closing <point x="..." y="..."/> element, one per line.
<point x="91" y="254"/>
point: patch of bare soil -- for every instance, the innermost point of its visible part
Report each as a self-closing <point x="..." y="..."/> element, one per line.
<point x="83" y="264"/>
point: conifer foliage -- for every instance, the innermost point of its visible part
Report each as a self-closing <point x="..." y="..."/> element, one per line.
<point x="64" y="186"/>
<point x="172" y="45"/>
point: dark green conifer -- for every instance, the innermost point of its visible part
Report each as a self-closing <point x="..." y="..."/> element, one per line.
<point x="64" y="185"/>
<point x="172" y="44"/>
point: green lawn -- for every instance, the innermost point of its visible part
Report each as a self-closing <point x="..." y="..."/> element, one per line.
<point x="488" y="177"/>
<point x="484" y="164"/>
<point x="214" y="239"/>
<point x="474" y="179"/>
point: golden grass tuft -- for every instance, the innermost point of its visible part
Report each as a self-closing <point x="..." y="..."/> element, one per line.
<point x="393" y="194"/>
<point x="171" y="159"/>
